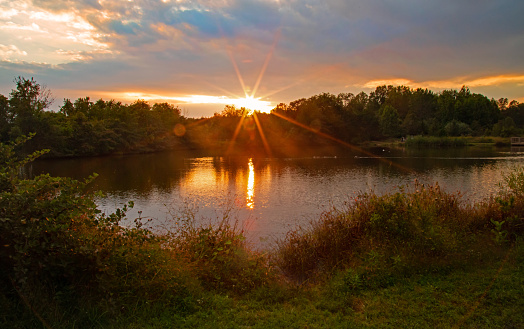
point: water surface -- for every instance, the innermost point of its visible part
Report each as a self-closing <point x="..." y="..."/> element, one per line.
<point x="270" y="196"/>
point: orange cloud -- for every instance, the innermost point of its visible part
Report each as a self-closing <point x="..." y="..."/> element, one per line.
<point x="395" y="82"/>
<point x="449" y="83"/>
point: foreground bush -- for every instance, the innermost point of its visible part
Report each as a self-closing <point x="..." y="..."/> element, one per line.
<point x="220" y="257"/>
<point x="61" y="259"/>
<point x="420" y="229"/>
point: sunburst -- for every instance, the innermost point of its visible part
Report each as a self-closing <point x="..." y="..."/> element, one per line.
<point x="252" y="103"/>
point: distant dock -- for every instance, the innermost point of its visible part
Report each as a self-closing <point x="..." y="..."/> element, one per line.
<point x="517" y="141"/>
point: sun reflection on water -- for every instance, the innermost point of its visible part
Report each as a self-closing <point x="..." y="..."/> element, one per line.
<point x="250" y="185"/>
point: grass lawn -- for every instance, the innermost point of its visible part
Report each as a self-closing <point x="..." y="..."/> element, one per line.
<point x="489" y="294"/>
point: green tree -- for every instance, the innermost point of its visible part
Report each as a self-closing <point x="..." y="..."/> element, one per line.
<point x="27" y="101"/>
<point x="5" y="119"/>
<point x="457" y="128"/>
<point x="421" y="114"/>
<point x="389" y="121"/>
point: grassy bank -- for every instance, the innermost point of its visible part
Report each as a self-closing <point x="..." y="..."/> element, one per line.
<point x="416" y="257"/>
<point x="486" y="295"/>
<point x="441" y="142"/>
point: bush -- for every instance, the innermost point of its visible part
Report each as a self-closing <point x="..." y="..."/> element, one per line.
<point x="431" y="141"/>
<point x="421" y="229"/>
<point x="219" y="255"/>
<point x="60" y="256"/>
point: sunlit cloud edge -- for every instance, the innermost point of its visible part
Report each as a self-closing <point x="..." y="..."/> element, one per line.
<point x="248" y="102"/>
<point x="451" y="83"/>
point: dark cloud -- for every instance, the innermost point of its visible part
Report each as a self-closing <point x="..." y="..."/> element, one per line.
<point x="123" y="28"/>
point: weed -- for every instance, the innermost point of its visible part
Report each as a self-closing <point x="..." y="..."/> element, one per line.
<point x="499" y="235"/>
<point x="218" y="252"/>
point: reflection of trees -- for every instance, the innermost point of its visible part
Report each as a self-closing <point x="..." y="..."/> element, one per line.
<point x="141" y="173"/>
<point x="280" y="178"/>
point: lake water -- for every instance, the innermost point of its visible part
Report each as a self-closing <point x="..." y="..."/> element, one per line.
<point x="270" y="196"/>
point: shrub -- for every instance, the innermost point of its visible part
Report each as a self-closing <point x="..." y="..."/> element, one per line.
<point x="60" y="256"/>
<point x="432" y="141"/>
<point x="417" y="228"/>
<point x="219" y="255"/>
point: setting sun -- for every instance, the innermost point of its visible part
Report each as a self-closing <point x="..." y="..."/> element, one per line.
<point x="252" y="103"/>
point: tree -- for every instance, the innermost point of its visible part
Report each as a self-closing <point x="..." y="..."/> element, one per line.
<point x="389" y="121"/>
<point x="502" y="103"/>
<point x="5" y="119"/>
<point x="40" y="223"/>
<point x="446" y="106"/>
<point x="68" y="108"/>
<point x="230" y="111"/>
<point x="421" y="114"/>
<point x="457" y="128"/>
<point x="26" y="102"/>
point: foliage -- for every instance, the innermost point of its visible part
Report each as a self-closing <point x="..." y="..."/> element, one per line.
<point x="435" y="142"/>
<point x="218" y="254"/>
<point x="59" y="255"/>
<point x="62" y="259"/>
<point x="85" y="127"/>
<point x="409" y="230"/>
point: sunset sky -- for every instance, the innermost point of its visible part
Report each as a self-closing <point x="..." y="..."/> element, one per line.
<point x="202" y="55"/>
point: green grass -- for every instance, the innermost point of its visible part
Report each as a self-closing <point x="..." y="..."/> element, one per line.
<point x="436" y="142"/>
<point x="486" y="295"/>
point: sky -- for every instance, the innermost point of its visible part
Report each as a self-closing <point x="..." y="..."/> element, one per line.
<point x="202" y="55"/>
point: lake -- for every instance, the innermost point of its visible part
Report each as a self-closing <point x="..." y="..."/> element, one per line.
<point x="270" y="196"/>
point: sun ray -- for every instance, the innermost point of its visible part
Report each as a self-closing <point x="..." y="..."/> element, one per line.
<point x="223" y="90"/>
<point x="262" y="135"/>
<point x="254" y="104"/>
<point x="261" y="105"/>
<point x="235" y="134"/>
<point x="237" y="71"/>
<point x="351" y="146"/>
<point x="281" y="89"/>
<point x="266" y="62"/>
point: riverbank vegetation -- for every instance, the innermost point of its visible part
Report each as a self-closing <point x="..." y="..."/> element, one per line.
<point x="414" y="257"/>
<point x="85" y="127"/>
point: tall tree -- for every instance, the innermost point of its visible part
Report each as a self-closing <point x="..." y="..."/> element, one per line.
<point x="27" y="101"/>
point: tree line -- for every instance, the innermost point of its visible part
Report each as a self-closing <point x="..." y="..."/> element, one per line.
<point x="390" y="111"/>
<point x="86" y="127"/>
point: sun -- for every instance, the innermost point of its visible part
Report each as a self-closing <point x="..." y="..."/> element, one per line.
<point x="252" y="103"/>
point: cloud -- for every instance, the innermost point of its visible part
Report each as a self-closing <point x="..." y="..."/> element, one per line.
<point x="456" y="83"/>
<point x="33" y="27"/>
<point x="485" y="81"/>
<point x="7" y="53"/>
<point x="199" y="47"/>
<point x="393" y="82"/>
